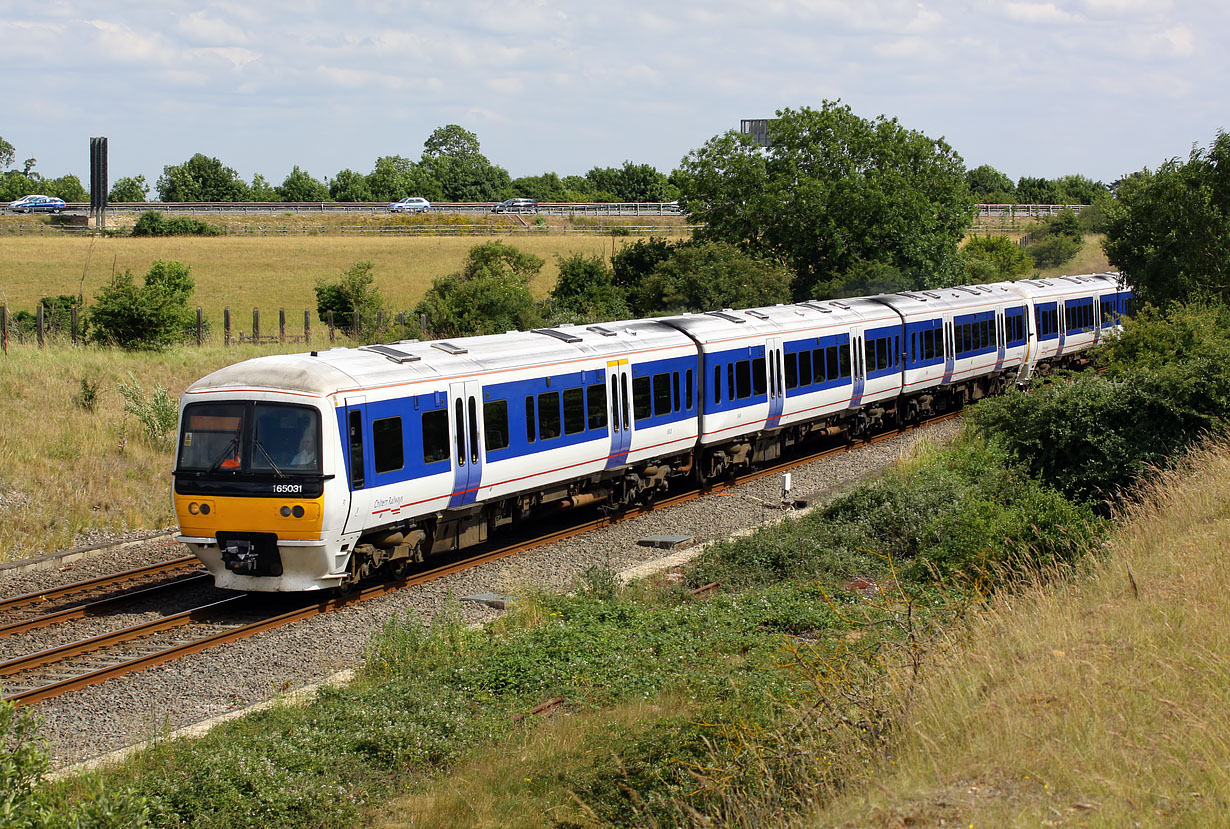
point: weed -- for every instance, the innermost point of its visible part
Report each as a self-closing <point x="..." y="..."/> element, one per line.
<point x="87" y="398"/>
<point x="157" y="414"/>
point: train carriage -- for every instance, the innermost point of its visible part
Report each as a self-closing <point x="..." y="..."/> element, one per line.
<point x="310" y="471"/>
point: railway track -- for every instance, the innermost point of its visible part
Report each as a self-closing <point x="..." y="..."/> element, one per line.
<point x="34" y="677"/>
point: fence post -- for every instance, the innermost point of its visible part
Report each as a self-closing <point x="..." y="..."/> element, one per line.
<point x="358" y="325"/>
<point x="330" y="327"/>
<point x="74" y="323"/>
<point x="379" y="320"/>
<point x="281" y="325"/>
<point x="200" y="326"/>
<point x="307" y="327"/>
<point x="226" y="327"/>
<point x="41" y="333"/>
<point x="256" y="325"/>
<point x="4" y="328"/>
<point x="423" y="325"/>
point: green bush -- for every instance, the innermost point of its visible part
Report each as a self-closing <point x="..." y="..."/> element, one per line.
<point x="585" y="292"/>
<point x="489" y="295"/>
<point x="708" y="276"/>
<point x="153" y="223"/>
<point x="151" y="316"/>
<point x="354" y="291"/>
<point x="1053" y="251"/>
<point x="994" y="259"/>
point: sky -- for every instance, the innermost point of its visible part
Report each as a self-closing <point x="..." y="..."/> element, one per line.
<point x="1096" y="87"/>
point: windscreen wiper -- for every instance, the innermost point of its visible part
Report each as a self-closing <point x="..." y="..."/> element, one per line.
<point x="276" y="471"/>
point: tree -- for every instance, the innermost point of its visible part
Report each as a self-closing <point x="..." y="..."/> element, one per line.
<point x="129" y="189"/>
<point x="994" y="259"/>
<point x="709" y="276"/>
<point x="7" y="154"/>
<point x="1037" y="191"/>
<point x="261" y="190"/>
<point x="632" y="183"/>
<point x="65" y="187"/>
<point x="201" y="178"/>
<point x="546" y="187"/>
<point x="350" y="186"/>
<point x="586" y="292"/>
<point x="452" y="157"/>
<point x="489" y="295"/>
<point x="300" y="186"/>
<point x="353" y="291"/>
<point x="633" y="263"/>
<point x="989" y="186"/>
<point x="1169" y="230"/>
<point x="833" y="189"/>
<point x="394" y="177"/>
<point x="151" y="316"/>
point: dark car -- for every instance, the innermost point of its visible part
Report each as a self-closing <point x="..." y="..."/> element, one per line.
<point x="516" y="206"/>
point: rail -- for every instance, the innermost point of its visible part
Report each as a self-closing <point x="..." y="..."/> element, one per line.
<point x="555" y="208"/>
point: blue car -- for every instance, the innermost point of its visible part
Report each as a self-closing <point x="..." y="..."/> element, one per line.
<point x="37" y="204"/>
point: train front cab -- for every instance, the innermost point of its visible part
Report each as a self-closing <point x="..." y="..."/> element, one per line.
<point x="256" y="489"/>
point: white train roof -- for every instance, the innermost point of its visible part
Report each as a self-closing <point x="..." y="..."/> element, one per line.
<point x="716" y="327"/>
<point x="370" y="366"/>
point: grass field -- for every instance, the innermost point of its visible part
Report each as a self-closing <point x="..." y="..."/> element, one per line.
<point x="262" y="271"/>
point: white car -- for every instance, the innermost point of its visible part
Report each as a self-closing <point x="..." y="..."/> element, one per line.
<point x="410" y="204"/>
<point x="37" y="204"/>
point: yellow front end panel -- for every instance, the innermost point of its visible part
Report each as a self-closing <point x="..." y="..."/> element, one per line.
<point x="293" y="519"/>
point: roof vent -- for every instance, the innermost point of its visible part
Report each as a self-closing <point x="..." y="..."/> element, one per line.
<point x="391" y="353"/>
<point x="559" y="335"/>
<point x="450" y="348"/>
<point x="606" y="332"/>
<point x="757" y="314"/>
<point x="726" y="315"/>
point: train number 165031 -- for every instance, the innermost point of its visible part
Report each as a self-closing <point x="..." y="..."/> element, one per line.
<point x="284" y="488"/>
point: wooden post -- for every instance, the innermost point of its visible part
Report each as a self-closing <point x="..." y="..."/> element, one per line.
<point x="41" y="332"/>
<point x="331" y="334"/>
<point x="281" y="325"/>
<point x="200" y="326"/>
<point x="379" y="321"/>
<point x="423" y="325"/>
<point x="358" y="325"/>
<point x="401" y="319"/>
<point x="226" y="327"/>
<point x="4" y="328"/>
<point x="307" y="327"/>
<point x="256" y="325"/>
<point x="74" y="323"/>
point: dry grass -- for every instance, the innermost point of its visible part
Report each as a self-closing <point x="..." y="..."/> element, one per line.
<point x="262" y="272"/>
<point x="1090" y="259"/>
<point x="65" y="471"/>
<point x="1097" y="701"/>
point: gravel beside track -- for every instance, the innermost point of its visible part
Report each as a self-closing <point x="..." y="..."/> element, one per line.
<point x="123" y="711"/>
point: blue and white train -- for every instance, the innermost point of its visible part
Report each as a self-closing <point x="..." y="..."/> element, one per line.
<point x="312" y="471"/>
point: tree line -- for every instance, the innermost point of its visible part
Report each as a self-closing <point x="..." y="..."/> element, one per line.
<point x="452" y="168"/>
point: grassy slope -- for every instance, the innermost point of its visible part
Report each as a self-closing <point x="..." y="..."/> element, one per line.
<point x="1097" y="702"/>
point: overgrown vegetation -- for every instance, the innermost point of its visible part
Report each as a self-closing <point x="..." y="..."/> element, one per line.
<point x="151" y="316"/>
<point x="353" y="299"/>
<point x="154" y="223"/>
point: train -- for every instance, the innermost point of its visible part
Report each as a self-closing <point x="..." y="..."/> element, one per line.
<point x="315" y="471"/>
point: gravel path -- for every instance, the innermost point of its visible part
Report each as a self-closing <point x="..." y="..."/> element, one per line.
<point x="130" y="709"/>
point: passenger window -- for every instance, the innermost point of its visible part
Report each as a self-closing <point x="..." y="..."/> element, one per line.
<point x="792" y="371"/>
<point x="596" y="404"/>
<point x="843" y="360"/>
<point x="743" y="379"/>
<point x="574" y="411"/>
<point x="642" y="398"/>
<point x="531" y="421"/>
<point x="675" y="387"/>
<point x="356" y="448"/>
<point x="730" y="381"/>
<point x="758" y="377"/>
<point x="435" y="436"/>
<point x="804" y="369"/>
<point x="688" y="390"/>
<point x="882" y="353"/>
<point x="661" y="394"/>
<point x="548" y="415"/>
<point x="387" y="451"/>
<point x="495" y="424"/>
<point x="717" y="384"/>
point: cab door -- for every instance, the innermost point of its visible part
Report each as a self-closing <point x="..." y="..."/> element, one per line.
<point x="465" y="425"/>
<point x="619" y="389"/>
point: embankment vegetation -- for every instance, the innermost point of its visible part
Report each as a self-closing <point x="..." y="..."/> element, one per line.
<point x="855" y="655"/>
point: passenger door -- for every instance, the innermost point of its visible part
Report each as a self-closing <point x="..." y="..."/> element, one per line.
<point x="354" y="417"/>
<point x="858" y="370"/>
<point x="777" y="381"/>
<point x="465" y="423"/>
<point x="619" y="389"/>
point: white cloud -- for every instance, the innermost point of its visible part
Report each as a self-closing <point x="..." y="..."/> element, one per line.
<point x="1038" y="13"/>
<point x="204" y="29"/>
